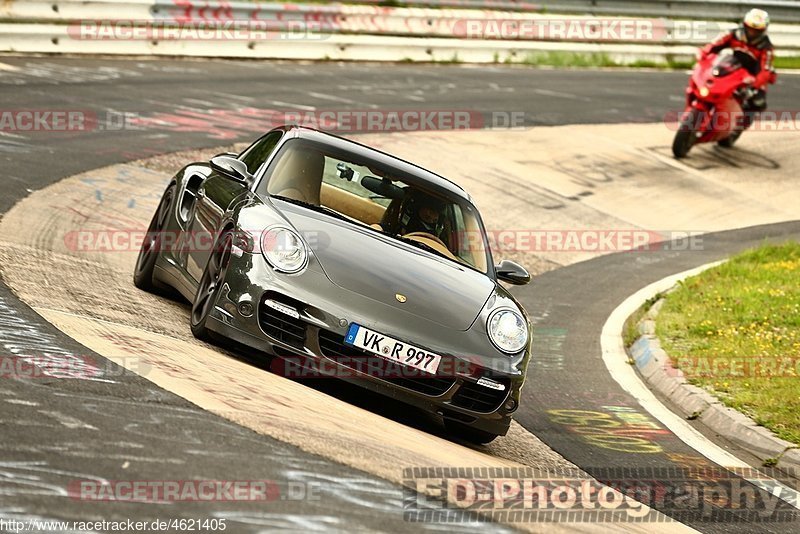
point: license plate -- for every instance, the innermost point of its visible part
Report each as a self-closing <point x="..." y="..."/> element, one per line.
<point x="391" y="349"/>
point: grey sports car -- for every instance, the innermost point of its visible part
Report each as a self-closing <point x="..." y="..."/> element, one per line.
<point x="345" y="261"/>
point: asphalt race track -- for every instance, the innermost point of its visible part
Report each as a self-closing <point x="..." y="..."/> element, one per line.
<point x="119" y="425"/>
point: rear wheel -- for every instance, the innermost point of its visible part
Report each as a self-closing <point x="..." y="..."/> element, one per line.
<point x="686" y="134"/>
<point x="151" y="246"/>
<point x="467" y="433"/>
<point x="208" y="289"/>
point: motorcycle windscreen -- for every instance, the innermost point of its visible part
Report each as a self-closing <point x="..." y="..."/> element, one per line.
<point x="726" y="65"/>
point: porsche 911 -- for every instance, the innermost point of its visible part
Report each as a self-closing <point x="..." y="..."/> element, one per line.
<point x="344" y="261"/>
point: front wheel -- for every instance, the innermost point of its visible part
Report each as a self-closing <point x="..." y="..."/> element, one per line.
<point x="208" y="289"/>
<point x="686" y="134"/>
<point x="469" y="434"/>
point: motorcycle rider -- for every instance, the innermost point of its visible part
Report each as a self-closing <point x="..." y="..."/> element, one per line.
<point x="752" y="47"/>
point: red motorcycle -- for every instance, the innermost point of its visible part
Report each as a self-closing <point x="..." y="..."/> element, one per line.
<point x="717" y="87"/>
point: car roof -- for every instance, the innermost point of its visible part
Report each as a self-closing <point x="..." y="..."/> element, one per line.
<point x="303" y="132"/>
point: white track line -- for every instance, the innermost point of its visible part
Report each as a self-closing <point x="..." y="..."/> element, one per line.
<point x="616" y="360"/>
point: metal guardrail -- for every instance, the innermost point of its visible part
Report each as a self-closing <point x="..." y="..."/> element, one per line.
<point x="787" y="11"/>
<point x="57" y="39"/>
<point x="385" y="21"/>
<point x="314" y="28"/>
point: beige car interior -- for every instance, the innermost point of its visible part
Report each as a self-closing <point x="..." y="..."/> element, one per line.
<point x="432" y="241"/>
<point x="352" y="205"/>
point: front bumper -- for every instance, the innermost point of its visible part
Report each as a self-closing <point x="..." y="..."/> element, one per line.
<point x="312" y="345"/>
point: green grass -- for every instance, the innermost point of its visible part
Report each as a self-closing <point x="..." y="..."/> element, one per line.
<point x="597" y="59"/>
<point x="569" y="59"/>
<point x="735" y="331"/>
<point x="630" y="332"/>
<point x="791" y="62"/>
<point x="671" y="63"/>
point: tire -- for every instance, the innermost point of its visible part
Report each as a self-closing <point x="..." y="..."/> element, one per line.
<point x="729" y="141"/>
<point x="685" y="136"/>
<point x="149" y="252"/>
<point x="469" y="434"/>
<point x="210" y="283"/>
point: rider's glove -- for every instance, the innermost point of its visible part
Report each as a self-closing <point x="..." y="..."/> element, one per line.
<point x="773" y="76"/>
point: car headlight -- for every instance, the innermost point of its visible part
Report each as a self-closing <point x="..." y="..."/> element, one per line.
<point x="284" y="250"/>
<point x="508" y="330"/>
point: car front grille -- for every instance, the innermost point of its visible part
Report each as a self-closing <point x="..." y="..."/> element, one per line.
<point x="472" y="396"/>
<point x="333" y="347"/>
<point x="279" y="325"/>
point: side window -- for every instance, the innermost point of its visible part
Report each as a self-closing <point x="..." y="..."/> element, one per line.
<point x="257" y="153"/>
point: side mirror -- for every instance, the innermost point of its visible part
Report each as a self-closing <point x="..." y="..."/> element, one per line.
<point x="513" y="273"/>
<point x="231" y="167"/>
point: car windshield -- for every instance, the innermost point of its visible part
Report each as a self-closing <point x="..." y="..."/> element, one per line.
<point x="383" y="198"/>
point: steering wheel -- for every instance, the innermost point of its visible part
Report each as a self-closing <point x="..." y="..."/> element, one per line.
<point x="426" y="235"/>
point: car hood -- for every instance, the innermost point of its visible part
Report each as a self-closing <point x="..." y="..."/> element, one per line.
<point x="381" y="268"/>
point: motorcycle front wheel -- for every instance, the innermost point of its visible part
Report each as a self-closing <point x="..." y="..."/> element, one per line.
<point x="685" y="136"/>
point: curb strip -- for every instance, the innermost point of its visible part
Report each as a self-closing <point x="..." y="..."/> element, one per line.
<point x="657" y="370"/>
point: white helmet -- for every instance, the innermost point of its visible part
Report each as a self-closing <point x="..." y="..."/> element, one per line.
<point x="755" y="24"/>
<point x="757" y="19"/>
